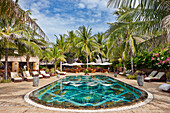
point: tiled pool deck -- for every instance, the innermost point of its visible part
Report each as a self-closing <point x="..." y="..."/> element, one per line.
<point x="12" y="97"/>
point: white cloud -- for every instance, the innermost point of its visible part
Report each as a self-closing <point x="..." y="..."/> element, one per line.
<point x="81" y="5"/>
<point x="60" y="22"/>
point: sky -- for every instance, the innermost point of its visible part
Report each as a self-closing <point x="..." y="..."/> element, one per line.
<point x="60" y="16"/>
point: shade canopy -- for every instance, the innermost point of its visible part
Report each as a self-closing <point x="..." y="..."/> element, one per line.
<point x="66" y="64"/>
<point x="93" y="63"/>
<point x="105" y="63"/>
<point x="76" y="64"/>
<point x="73" y="64"/>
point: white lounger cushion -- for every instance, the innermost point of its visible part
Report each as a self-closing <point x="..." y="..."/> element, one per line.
<point x="147" y="78"/>
<point x="14" y="75"/>
<point x="45" y="74"/>
<point x="121" y="73"/>
<point x="30" y="77"/>
<point x="17" y="78"/>
<point x="40" y="76"/>
<point x="159" y="75"/>
<point x="35" y="72"/>
<point x="152" y="73"/>
<point x="60" y="72"/>
<point x="165" y="87"/>
<point x="27" y="75"/>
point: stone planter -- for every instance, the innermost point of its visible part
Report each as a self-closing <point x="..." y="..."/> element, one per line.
<point x="58" y="75"/>
<point x="140" y="80"/>
<point x="35" y="81"/>
<point x="115" y="74"/>
<point x="86" y="74"/>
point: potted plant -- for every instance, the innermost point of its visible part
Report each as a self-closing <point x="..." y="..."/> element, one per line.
<point x="140" y="78"/>
<point x="52" y="72"/>
<point x="86" y="72"/>
<point x="47" y="70"/>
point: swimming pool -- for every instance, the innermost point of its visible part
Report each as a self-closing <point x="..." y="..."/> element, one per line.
<point x="87" y="92"/>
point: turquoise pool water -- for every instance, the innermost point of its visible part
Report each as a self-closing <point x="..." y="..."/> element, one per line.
<point x="87" y="92"/>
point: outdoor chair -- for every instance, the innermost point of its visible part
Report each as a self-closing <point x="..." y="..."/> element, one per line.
<point x="35" y="73"/>
<point x="27" y="76"/>
<point x="152" y="74"/>
<point x="159" y="77"/>
<point x="165" y="87"/>
<point x="61" y="73"/>
<point x="45" y="74"/>
<point x="15" y="77"/>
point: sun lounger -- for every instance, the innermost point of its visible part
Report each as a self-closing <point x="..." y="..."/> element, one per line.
<point x="165" y="87"/>
<point x="45" y="74"/>
<point x="15" y="77"/>
<point x="35" y="73"/>
<point x="152" y="74"/>
<point x="61" y="73"/>
<point x="27" y="76"/>
<point x="159" y="77"/>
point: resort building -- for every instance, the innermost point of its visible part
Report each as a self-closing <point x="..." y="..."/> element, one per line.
<point x="15" y="63"/>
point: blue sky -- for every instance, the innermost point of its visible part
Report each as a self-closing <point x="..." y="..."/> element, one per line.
<point x="59" y="16"/>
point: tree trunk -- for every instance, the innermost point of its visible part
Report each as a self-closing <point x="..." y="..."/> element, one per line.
<point x="6" y="63"/>
<point x="101" y="58"/>
<point x="60" y="66"/>
<point x="55" y="67"/>
<point x="27" y="60"/>
<point x="46" y="64"/>
<point x="87" y="61"/>
<point x="131" y="57"/>
<point x="124" y="67"/>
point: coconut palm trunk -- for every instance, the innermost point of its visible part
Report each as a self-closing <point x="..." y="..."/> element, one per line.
<point x="124" y="66"/>
<point x="101" y="58"/>
<point x="27" y="60"/>
<point x="60" y="65"/>
<point x="46" y="64"/>
<point x="55" y="67"/>
<point x="87" y="61"/>
<point x="131" y="59"/>
<point x="6" y="63"/>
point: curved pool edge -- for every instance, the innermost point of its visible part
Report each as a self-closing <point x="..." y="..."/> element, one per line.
<point x="147" y="100"/>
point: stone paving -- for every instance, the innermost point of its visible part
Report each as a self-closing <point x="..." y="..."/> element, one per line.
<point x="12" y="97"/>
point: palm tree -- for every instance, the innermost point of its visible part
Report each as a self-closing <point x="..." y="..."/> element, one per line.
<point x="101" y="48"/>
<point x="30" y="46"/>
<point x="150" y="12"/>
<point x="63" y="45"/>
<point x="57" y="56"/>
<point x="139" y="20"/>
<point x="46" y="55"/>
<point x="12" y="19"/>
<point x="85" y="41"/>
<point x="125" y="30"/>
<point x="8" y="33"/>
<point x="115" y="49"/>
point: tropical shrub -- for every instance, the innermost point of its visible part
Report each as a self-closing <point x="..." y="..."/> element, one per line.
<point x="5" y="81"/>
<point x="47" y="70"/>
<point x="134" y="76"/>
<point x="124" y="74"/>
<point x="157" y="59"/>
<point x="168" y="76"/>
<point x="131" y="77"/>
<point x="160" y="59"/>
<point x="86" y="71"/>
<point x="52" y="70"/>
